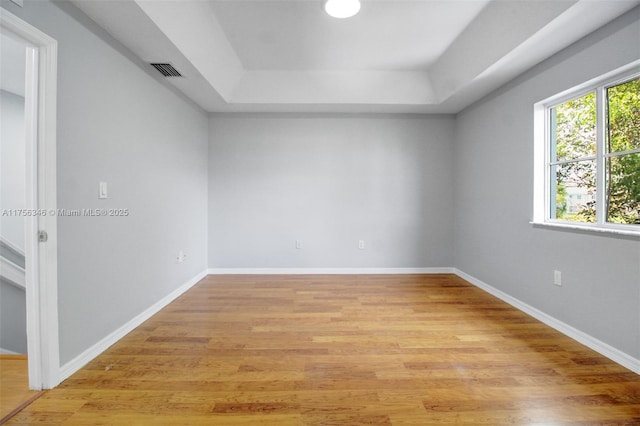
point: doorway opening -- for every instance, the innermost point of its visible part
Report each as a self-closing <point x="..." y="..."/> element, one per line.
<point x="34" y="215"/>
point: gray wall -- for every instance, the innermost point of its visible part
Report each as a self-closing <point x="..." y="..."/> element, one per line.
<point x="13" y="318"/>
<point x="330" y="181"/>
<point x="118" y="124"/>
<point x="494" y="241"/>
<point x="12" y="166"/>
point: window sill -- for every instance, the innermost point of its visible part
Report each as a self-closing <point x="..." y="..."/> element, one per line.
<point x="588" y="229"/>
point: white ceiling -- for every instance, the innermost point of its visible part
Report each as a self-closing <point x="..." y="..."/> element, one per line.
<point x="420" y="56"/>
<point x="297" y="35"/>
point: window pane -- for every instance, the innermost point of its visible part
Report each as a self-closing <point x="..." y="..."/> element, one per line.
<point x="573" y="190"/>
<point x="623" y="114"/>
<point x="573" y="129"/>
<point x="623" y="189"/>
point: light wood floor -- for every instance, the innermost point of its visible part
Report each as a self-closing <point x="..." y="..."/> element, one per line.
<point x="14" y="384"/>
<point x="342" y="350"/>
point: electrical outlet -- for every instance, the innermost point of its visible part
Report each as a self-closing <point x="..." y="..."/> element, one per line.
<point x="361" y="244"/>
<point x="181" y="257"/>
<point x="557" y="278"/>
<point x="298" y="244"/>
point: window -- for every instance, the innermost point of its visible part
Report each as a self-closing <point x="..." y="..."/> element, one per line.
<point x="588" y="155"/>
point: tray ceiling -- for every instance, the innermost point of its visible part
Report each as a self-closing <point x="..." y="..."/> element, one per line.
<point x="421" y="56"/>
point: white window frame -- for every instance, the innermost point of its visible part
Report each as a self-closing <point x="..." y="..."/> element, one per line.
<point x="542" y="154"/>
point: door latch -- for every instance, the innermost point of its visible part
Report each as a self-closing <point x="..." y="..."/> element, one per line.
<point x="43" y="236"/>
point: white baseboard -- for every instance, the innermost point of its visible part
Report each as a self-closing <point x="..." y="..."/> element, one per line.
<point x="81" y="360"/>
<point x="327" y="271"/>
<point x="599" y="346"/>
<point x="4" y="351"/>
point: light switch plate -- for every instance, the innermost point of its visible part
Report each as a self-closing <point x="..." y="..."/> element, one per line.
<point x="103" y="192"/>
<point x="557" y="278"/>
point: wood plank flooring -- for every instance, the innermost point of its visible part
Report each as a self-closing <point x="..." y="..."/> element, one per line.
<point x="342" y="350"/>
<point x="14" y="385"/>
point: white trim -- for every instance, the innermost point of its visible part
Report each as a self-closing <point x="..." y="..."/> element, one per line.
<point x="574" y="226"/>
<point x="327" y="271"/>
<point x="601" y="187"/>
<point x="4" y="351"/>
<point x="81" y="360"/>
<point x="33" y="297"/>
<point x="540" y="170"/>
<point x="608" y="79"/>
<point x="597" y="345"/>
<point x="13" y="273"/>
<point x="41" y="258"/>
<point x="47" y="199"/>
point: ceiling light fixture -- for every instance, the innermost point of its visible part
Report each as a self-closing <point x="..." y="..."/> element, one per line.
<point x="341" y="8"/>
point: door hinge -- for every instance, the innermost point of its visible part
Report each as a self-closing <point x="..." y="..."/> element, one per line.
<point x="43" y="236"/>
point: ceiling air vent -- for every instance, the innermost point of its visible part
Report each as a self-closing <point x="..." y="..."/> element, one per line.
<point x="167" y="70"/>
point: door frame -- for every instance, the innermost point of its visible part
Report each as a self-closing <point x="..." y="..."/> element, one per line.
<point x="41" y="269"/>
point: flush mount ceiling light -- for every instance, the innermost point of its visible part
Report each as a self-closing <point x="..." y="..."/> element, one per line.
<point x="341" y="8"/>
